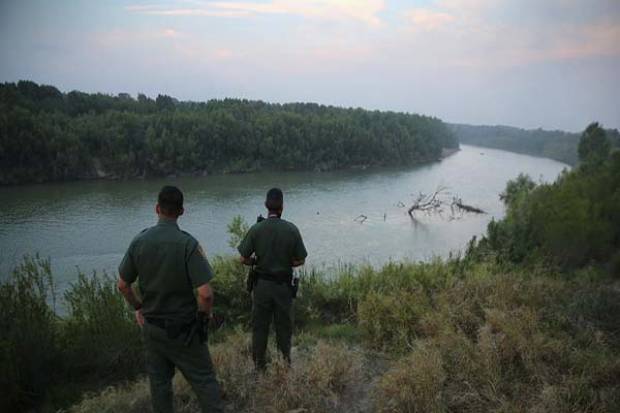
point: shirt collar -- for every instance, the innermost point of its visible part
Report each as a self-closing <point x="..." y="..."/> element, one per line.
<point x="167" y="221"/>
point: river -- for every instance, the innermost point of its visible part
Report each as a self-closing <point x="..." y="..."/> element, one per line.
<point x="88" y="225"/>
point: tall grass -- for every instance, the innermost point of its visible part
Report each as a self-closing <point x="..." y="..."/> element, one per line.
<point x="459" y="335"/>
<point x="318" y="382"/>
<point x="46" y="358"/>
<point x="503" y="343"/>
<point x="29" y="338"/>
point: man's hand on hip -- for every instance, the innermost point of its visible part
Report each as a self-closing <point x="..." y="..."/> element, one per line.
<point x="139" y="318"/>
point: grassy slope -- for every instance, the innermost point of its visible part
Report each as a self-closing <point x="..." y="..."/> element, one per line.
<point x="436" y="337"/>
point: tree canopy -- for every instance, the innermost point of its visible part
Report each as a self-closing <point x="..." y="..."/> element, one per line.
<point x="572" y="222"/>
<point x="558" y="145"/>
<point x="47" y="135"/>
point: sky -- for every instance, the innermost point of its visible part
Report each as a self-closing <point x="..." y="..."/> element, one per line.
<point x="553" y="64"/>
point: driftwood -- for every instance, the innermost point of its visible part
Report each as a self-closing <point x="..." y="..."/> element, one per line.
<point x="457" y="202"/>
<point x="428" y="203"/>
<point x="436" y="203"/>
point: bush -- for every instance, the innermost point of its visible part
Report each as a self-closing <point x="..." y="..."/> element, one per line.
<point x="572" y="222"/>
<point x="394" y="321"/>
<point x="29" y="345"/>
<point x="46" y="357"/>
<point x="414" y="385"/>
<point x="503" y="343"/>
<point x="100" y="332"/>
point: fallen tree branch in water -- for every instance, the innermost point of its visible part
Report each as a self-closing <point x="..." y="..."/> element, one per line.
<point x="436" y="203"/>
<point x="457" y="202"/>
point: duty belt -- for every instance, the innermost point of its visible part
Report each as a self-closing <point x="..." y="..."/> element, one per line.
<point x="159" y="322"/>
<point x="278" y="279"/>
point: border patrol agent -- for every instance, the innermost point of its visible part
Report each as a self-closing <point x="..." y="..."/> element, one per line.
<point x="277" y="247"/>
<point x="169" y="264"/>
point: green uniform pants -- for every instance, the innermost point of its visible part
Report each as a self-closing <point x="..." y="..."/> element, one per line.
<point x="194" y="361"/>
<point x="271" y="300"/>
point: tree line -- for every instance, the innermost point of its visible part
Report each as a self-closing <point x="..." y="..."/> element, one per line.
<point x="572" y="222"/>
<point x="558" y="145"/>
<point x="48" y="135"/>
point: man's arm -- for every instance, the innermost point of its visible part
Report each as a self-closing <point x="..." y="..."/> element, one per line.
<point x="300" y="253"/>
<point x="246" y="248"/>
<point x="247" y="260"/>
<point x="125" y="288"/>
<point x="205" y="299"/>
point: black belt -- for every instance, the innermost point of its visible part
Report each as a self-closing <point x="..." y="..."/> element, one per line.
<point x="278" y="279"/>
<point x="159" y="322"/>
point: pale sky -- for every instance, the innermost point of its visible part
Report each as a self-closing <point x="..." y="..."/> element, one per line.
<point x="529" y="63"/>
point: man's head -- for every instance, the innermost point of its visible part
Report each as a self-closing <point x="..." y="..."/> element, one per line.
<point x="274" y="201"/>
<point x="170" y="202"/>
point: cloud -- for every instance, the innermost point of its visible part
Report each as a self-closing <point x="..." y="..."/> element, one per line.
<point x="170" y="33"/>
<point x="428" y="19"/>
<point x="486" y="33"/>
<point x="364" y="11"/>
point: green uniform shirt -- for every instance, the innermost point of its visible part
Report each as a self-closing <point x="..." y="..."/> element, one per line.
<point x="276" y="243"/>
<point x="169" y="264"/>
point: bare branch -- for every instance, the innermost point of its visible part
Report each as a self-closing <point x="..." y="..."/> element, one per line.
<point x="436" y="203"/>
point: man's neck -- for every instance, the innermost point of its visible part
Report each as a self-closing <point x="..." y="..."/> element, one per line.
<point x="273" y="215"/>
<point x="165" y="219"/>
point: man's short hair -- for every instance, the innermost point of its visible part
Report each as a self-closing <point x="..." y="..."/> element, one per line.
<point x="274" y="200"/>
<point x="170" y="200"/>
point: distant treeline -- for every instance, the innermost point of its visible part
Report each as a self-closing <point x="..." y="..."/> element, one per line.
<point x="47" y="135"/>
<point x="558" y="145"/>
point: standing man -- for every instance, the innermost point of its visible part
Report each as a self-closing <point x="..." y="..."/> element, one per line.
<point x="169" y="264"/>
<point x="277" y="247"/>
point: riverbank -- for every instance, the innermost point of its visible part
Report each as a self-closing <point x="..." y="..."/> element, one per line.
<point x="102" y="174"/>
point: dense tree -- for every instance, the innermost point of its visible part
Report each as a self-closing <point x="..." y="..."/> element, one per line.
<point x="572" y="222"/>
<point x="594" y="144"/>
<point x="46" y="135"/>
<point x="558" y="145"/>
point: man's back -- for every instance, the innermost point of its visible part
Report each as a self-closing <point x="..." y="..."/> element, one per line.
<point x="170" y="264"/>
<point x="276" y="242"/>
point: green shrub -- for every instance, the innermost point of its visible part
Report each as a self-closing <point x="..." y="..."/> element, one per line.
<point x="100" y="332"/>
<point x="394" y="321"/>
<point x="29" y="345"/>
<point x="414" y="384"/>
<point x="571" y="223"/>
<point x="232" y="301"/>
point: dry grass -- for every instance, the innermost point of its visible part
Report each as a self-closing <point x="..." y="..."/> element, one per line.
<point x="414" y="384"/>
<point x="507" y="344"/>
<point x="478" y="343"/>
<point x="317" y="382"/>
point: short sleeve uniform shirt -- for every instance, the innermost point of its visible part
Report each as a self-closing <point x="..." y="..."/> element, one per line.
<point x="168" y="264"/>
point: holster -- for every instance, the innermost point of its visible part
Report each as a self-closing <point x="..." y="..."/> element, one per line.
<point x="294" y="286"/>
<point x="250" y="282"/>
<point x="199" y="327"/>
